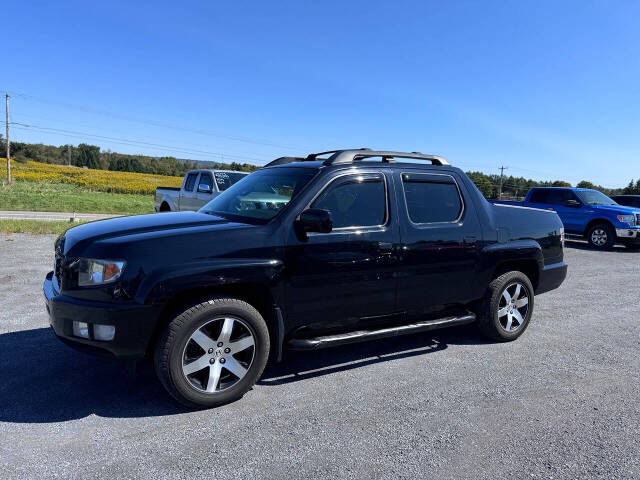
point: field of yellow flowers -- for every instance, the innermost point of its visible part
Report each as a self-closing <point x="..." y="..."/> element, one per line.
<point x="95" y="180"/>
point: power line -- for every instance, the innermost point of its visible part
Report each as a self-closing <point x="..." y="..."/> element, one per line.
<point x="124" y="141"/>
<point x="156" y="123"/>
<point x="70" y="126"/>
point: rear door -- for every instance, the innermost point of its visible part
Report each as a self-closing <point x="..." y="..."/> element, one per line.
<point x="440" y="238"/>
<point x="188" y="193"/>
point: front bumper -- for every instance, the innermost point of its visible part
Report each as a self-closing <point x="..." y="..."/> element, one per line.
<point x="628" y="235"/>
<point x="134" y="323"/>
<point x="551" y="277"/>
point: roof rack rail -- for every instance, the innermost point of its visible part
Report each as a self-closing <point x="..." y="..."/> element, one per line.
<point x="349" y="156"/>
<point x="283" y="160"/>
<point x="340" y="157"/>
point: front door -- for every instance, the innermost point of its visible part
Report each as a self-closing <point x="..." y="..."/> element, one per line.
<point x="573" y="218"/>
<point x="205" y="190"/>
<point x="188" y="193"/>
<point x="346" y="278"/>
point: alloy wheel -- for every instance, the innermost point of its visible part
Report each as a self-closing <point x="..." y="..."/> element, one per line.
<point x="218" y="354"/>
<point x="599" y="237"/>
<point x="513" y="307"/>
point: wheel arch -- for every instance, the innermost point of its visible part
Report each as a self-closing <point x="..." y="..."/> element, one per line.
<point x="529" y="267"/>
<point x="257" y="295"/>
<point x="525" y="256"/>
<point x="597" y="221"/>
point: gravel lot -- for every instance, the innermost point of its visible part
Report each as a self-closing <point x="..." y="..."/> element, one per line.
<point x="561" y="402"/>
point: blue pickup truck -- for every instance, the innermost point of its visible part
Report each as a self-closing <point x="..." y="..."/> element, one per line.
<point x="589" y="214"/>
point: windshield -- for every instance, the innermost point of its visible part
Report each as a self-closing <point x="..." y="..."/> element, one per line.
<point x="225" y="179"/>
<point x="260" y="195"/>
<point x="593" y="197"/>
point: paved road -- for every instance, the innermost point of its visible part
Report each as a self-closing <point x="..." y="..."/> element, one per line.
<point x="52" y="216"/>
<point x="561" y="402"/>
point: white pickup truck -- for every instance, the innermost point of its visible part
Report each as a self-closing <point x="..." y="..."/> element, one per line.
<point x="198" y="188"/>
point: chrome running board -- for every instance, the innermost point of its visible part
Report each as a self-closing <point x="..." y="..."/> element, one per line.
<point x="364" y="335"/>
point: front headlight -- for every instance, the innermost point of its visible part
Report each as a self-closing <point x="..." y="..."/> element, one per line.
<point x="630" y="219"/>
<point x="98" y="272"/>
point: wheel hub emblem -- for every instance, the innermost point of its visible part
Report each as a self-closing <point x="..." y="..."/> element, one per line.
<point x="218" y="353"/>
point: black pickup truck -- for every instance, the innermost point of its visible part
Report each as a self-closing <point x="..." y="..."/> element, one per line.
<point x="308" y="252"/>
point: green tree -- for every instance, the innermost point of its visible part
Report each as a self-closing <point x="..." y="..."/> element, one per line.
<point x="482" y="182"/>
<point x="88" y="155"/>
<point x="585" y="184"/>
<point x="561" y="183"/>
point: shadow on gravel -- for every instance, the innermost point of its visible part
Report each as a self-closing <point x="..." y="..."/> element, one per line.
<point x="42" y="380"/>
<point x="298" y="366"/>
<point x="583" y="245"/>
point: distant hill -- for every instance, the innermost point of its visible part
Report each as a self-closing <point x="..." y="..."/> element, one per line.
<point x="91" y="156"/>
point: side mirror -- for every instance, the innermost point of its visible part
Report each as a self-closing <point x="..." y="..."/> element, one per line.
<point x="572" y="204"/>
<point x="315" y="220"/>
<point x="204" y="188"/>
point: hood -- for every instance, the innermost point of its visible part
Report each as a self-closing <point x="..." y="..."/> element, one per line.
<point x="622" y="209"/>
<point x="138" y="224"/>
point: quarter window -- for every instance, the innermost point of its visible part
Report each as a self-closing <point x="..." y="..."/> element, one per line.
<point x="431" y="198"/>
<point x="190" y="182"/>
<point x="355" y="201"/>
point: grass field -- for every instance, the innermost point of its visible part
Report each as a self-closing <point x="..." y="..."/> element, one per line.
<point x="35" y="226"/>
<point x="60" y="197"/>
<point x="94" y="180"/>
<point x="57" y="188"/>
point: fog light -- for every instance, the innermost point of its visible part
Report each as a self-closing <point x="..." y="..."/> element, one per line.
<point x="104" y="332"/>
<point x="81" y="329"/>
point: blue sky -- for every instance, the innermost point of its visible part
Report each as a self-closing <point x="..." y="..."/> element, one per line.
<point x="549" y="89"/>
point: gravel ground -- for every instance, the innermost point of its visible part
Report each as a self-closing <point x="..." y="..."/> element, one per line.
<point x="561" y="402"/>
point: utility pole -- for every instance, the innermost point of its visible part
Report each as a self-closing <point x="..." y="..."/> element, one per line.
<point x="502" y="169"/>
<point x="6" y="98"/>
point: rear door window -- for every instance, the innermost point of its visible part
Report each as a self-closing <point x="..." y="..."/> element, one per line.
<point x="190" y="182"/>
<point x="431" y="198"/>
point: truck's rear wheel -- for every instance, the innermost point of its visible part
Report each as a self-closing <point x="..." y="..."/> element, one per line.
<point x="601" y="236"/>
<point x="212" y="353"/>
<point x="507" y="307"/>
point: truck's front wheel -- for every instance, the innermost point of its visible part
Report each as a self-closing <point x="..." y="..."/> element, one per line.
<point x="601" y="236"/>
<point x="506" y="310"/>
<point x="213" y="352"/>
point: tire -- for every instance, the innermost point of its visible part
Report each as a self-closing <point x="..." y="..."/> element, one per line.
<point x="494" y="317"/>
<point x="601" y="236"/>
<point x="212" y="353"/>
